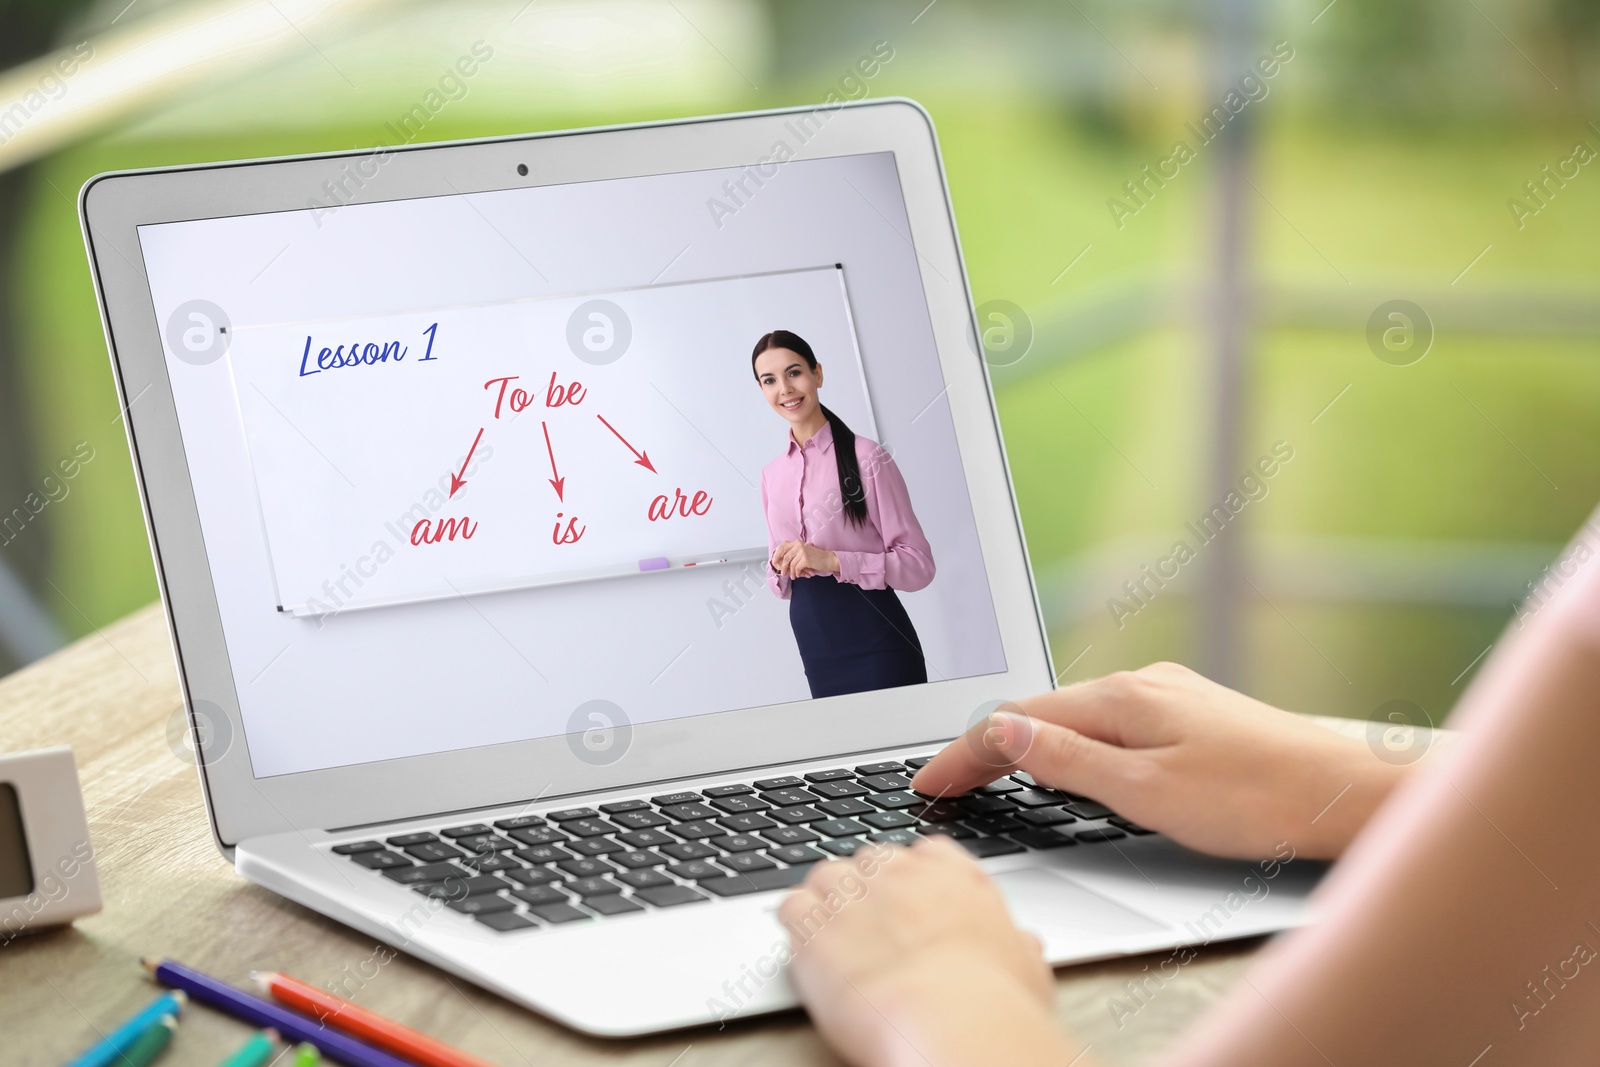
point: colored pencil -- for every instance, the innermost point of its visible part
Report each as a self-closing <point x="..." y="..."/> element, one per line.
<point x="368" y="1025"/>
<point x="108" y="1050"/>
<point x="256" y="1051"/>
<point x="306" y="1055"/>
<point x="148" y="1045"/>
<point x="257" y="1012"/>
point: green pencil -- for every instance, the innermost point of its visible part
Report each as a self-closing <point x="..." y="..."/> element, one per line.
<point x="254" y="1052"/>
<point x="149" y="1044"/>
<point x="306" y="1055"/>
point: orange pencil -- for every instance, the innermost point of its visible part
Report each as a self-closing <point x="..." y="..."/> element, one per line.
<point x="358" y="1022"/>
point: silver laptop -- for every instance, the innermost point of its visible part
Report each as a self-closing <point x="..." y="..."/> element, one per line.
<point x="452" y="459"/>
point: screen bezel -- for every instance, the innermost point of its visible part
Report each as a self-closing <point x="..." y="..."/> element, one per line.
<point x="113" y="206"/>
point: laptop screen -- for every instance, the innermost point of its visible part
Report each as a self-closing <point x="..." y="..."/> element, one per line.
<point x="490" y="467"/>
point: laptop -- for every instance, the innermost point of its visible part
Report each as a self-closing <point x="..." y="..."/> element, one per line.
<point x="453" y="464"/>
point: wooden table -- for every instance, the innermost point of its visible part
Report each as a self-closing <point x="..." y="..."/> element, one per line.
<point x="114" y="698"/>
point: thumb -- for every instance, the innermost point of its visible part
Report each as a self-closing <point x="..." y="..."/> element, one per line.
<point x="1063" y="758"/>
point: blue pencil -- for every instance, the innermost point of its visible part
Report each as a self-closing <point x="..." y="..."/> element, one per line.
<point x="291" y="1025"/>
<point x="111" y="1047"/>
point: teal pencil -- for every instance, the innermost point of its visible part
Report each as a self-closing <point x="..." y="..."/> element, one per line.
<point x="254" y="1052"/>
<point x="110" y="1048"/>
<point x="148" y="1045"/>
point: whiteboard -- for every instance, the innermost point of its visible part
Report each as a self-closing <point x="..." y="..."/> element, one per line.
<point x="473" y="449"/>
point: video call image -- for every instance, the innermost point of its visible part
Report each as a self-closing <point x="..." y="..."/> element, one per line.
<point x="728" y="484"/>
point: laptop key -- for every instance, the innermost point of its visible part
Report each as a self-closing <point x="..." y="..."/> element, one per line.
<point x="843" y="846"/>
<point x="1088" y="809"/>
<point x="801" y="814"/>
<point x="616" y="807"/>
<point x="835" y="790"/>
<point x="937" y="811"/>
<point x="786" y="782"/>
<point x="1042" y="837"/>
<point x="593" y="887"/>
<point x="846" y="806"/>
<point x="789" y="835"/>
<point x="984" y="847"/>
<point x="689" y="850"/>
<point x="995" y="824"/>
<point x="999" y="788"/>
<point x="481" y="905"/>
<point x="611" y="905"/>
<point x="795" y="855"/>
<point x="1092" y="836"/>
<point x="755" y="881"/>
<point x="900" y="799"/>
<point x="457" y="887"/>
<point x="538" y="835"/>
<point x="888" y="820"/>
<point x="832" y="775"/>
<point x="744" y="824"/>
<point x="434" y="852"/>
<point x="785" y="797"/>
<point x="402" y="840"/>
<point x="885" y="783"/>
<point x="353" y="847"/>
<point x="643" y="879"/>
<point x="869" y="769"/>
<point x="379" y="861"/>
<point x="542" y="854"/>
<point x="668" y="896"/>
<point x="470" y="830"/>
<point x="1045" y="817"/>
<point x="645" y="838"/>
<point x="735" y="805"/>
<point x="505" y="922"/>
<point x="726" y="790"/>
<point x="674" y="798"/>
<point x="916" y="763"/>
<point x="694" y="831"/>
<point x="737" y="843"/>
<point x="519" y="822"/>
<point x="595" y="846"/>
<point x="1131" y="827"/>
<point x="945" y="829"/>
<point x="425" y="872"/>
<point x="585" y="868"/>
<point x="694" y="870"/>
<point x="895" y="837"/>
<point x="639" y="820"/>
<point x="558" y="913"/>
<point x="746" y="861"/>
<point x="688" y="812"/>
<point x="638" y="859"/>
<point x="839" y="827"/>
<point x="982" y="805"/>
<point x="588" y="827"/>
<point x="569" y="814"/>
<point x="485" y="843"/>
<point x="1034" y="798"/>
<point x="534" y="876"/>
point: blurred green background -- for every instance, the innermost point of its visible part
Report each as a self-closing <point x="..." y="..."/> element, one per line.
<point x="1142" y="360"/>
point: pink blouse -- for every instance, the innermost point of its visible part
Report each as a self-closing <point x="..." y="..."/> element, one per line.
<point x="800" y="494"/>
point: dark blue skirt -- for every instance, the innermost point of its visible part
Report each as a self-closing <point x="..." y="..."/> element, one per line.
<point x="853" y="640"/>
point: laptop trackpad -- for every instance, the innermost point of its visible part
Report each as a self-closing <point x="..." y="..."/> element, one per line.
<point x="1054" y="907"/>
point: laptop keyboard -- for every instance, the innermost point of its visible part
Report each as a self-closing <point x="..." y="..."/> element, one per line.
<point x="672" y="849"/>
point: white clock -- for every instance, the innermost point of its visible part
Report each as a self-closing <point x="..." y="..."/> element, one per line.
<point x="47" y="872"/>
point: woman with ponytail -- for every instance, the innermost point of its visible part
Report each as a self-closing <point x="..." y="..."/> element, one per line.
<point x="841" y="535"/>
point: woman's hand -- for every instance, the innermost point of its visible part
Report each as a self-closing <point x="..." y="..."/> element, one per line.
<point x="797" y="559"/>
<point x="908" y="956"/>
<point x="1169" y="749"/>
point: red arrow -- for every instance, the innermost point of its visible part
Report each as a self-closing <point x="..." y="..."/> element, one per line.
<point x="557" y="482"/>
<point x="458" y="480"/>
<point x="641" y="458"/>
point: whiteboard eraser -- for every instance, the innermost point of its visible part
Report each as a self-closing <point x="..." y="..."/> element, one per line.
<point x="659" y="563"/>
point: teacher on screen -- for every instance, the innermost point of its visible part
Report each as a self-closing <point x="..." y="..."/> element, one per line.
<point x="841" y="535"/>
